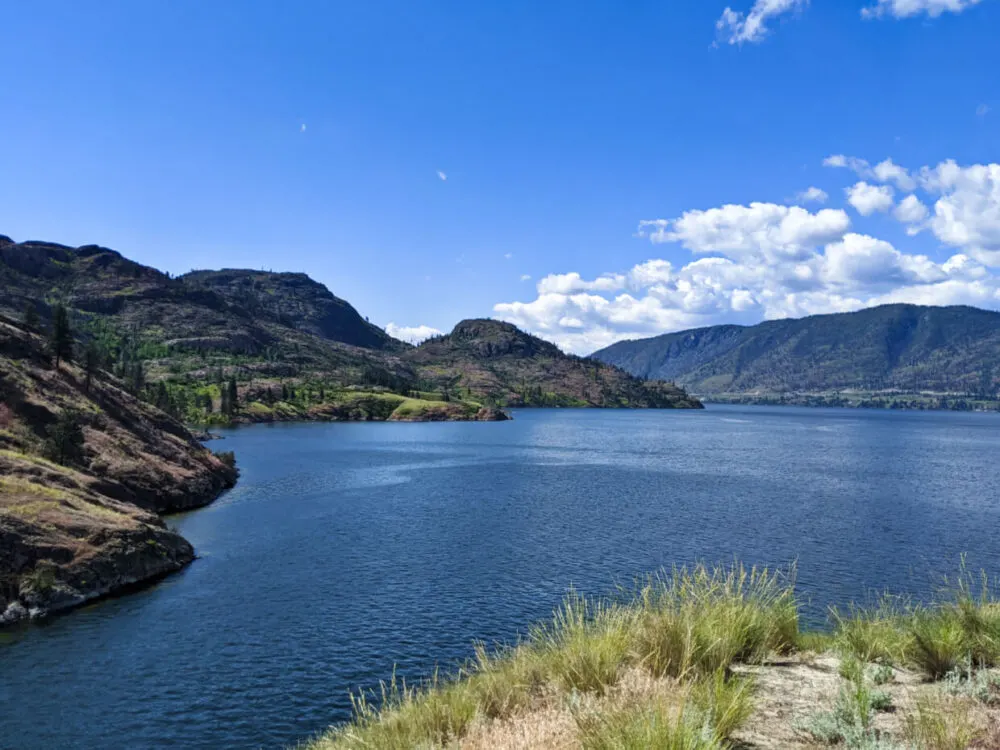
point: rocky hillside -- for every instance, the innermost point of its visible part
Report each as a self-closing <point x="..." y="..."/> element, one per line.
<point x="905" y="348"/>
<point x="221" y="347"/>
<point x="487" y="359"/>
<point x="85" y="467"/>
<point x="296" y="301"/>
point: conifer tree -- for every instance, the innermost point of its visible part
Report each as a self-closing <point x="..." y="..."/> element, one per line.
<point x="61" y="338"/>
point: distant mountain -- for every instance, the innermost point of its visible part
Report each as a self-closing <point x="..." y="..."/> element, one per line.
<point x="498" y="361"/>
<point x="902" y="348"/>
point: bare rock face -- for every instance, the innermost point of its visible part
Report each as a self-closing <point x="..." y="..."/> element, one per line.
<point x="82" y="524"/>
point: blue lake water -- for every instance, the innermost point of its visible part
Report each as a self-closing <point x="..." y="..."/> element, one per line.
<point x="348" y="548"/>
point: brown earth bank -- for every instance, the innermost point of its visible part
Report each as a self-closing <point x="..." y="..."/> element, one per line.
<point x="85" y="469"/>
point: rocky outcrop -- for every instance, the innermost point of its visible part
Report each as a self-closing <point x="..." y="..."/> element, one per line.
<point x="80" y="521"/>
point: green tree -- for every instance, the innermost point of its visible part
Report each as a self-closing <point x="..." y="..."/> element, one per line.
<point x="64" y="444"/>
<point x="91" y="362"/>
<point x="162" y="397"/>
<point x="234" y="395"/>
<point x="30" y="316"/>
<point x="61" y="337"/>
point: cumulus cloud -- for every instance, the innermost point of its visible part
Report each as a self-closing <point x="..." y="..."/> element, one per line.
<point x="910" y="8"/>
<point x="887" y="171"/>
<point x="812" y="195"/>
<point x="737" y="27"/>
<point x="884" y="172"/>
<point x="764" y="230"/>
<point x="867" y="199"/>
<point x="525" y="277"/>
<point x="764" y="261"/>
<point x="412" y="334"/>
<point x="442" y="176"/>
<point x="911" y="211"/>
<point x="567" y="283"/>
<point x="967" y="211"/>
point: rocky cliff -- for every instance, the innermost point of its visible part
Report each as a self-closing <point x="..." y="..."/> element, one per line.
<point x="85" y="468"/>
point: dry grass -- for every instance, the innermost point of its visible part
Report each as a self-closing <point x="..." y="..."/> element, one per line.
<point x="711" y="657"/>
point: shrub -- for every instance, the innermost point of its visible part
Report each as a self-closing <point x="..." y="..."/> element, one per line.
<point x="64" y="444"/>
<point x="227" y="457"/>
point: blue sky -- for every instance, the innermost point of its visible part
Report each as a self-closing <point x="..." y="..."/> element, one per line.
<point x="313" y="136"/>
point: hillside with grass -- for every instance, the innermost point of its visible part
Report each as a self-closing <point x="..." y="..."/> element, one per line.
<point x="893" y="355"/>
<point x="496" y="361"/>
<point x="85" y="469"/>
<point x="238" y="346"/>
<point x="711" y="659"/>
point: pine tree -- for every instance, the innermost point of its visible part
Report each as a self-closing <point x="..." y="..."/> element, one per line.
<point x="234" y="395"/>
<point x="61" y="338"/>
<point x="91" y="362"/>
<point x="30" y="316"/>
<point x="65" y="439"/>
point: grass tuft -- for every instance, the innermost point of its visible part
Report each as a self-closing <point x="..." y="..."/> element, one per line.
<point x="941" y="723"/>
<point x="645" y="727"/>
<point x="704" y="619"/>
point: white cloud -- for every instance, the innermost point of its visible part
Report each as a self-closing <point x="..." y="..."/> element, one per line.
<point x="812" y="195"/>
<point x="910" y="8"/>
<point x="508" y="256"/>
<point x="736" y="27"/>
<point x="412" y="334"/>
<point x="982" y="110"/>
<point x="867" y="199"/>
<point x="525" y="277"/>
<point x="302" y="128"/>
<point x="764" y="261"/>
<point x="442" y="176"/>
<point x="967" y="213"/>
<point x="884" y="171"/>
<point x="567" y="283"/>
<point x="911" y="211"/>
<point x="859" y="166"/>
<point x="887" y="171"/>
<point x="764" y="230"/>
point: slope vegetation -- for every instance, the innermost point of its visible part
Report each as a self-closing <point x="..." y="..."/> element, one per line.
<point x="491" y="360"/>
<point x="230" y="346"/>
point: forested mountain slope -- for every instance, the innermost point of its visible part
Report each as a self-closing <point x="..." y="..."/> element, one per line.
<point x="905" y="348"/>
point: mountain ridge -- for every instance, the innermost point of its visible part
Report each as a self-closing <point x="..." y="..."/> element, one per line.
<point x="889" y="348"/>
<point x="238" y="345"/>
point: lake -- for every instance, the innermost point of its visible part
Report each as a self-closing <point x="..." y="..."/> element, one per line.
<point x="347" y="549"/>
